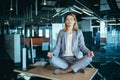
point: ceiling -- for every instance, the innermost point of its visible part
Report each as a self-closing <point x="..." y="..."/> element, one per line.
<point x="48" y="11"/>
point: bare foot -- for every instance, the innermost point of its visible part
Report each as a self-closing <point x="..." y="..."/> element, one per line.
<point x="82" y="70"/>
<point x="59" y="71"/>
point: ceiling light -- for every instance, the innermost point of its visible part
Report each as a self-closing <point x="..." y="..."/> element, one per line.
<point x="11" y="5"/>
<point x="76" y="11"/>
<point x="83" y="10"/>
<point x="113" y="23"/>
<point x="55" y="14"/>
<point x="77" y="7"/>
<point x="96" y="4"/>
<point x="64" y="12"/>
<point x="11" y="9"/>
<point x="44" y="3"/>
<point x="87" y="13"/>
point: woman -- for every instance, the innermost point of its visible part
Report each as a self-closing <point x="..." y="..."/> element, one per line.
<point x="67" y="55"/>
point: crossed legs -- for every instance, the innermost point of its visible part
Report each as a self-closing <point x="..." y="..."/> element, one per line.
<point x="63" y="66"/>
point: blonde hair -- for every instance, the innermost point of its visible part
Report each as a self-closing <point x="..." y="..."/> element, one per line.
<point x="75" y="26"/>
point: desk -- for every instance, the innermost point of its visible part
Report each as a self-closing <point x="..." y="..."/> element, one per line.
<point x="34" y="42"/>
<point x="48" y="73"/>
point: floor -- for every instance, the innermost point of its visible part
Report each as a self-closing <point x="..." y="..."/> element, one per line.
<point x="109" y="66"/>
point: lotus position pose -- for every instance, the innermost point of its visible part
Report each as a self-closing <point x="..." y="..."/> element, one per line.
<point x="67" y="55"/>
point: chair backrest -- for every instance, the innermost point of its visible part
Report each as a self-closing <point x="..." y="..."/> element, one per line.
<point x="45" y="46"/>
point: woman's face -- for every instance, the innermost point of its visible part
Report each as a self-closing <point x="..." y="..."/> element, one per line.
<point x="69" y="21"/>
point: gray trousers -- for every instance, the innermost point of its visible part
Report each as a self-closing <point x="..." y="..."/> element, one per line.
<point x="65" y="62"/>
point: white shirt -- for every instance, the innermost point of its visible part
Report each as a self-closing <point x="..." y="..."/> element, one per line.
<point x="68" y="51"/>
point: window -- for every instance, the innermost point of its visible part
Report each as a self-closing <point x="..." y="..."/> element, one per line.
<point x="28" y="32"/>
<point x="23" y="32"/>
<point x="40" y="33"/>
<point x="47" y="33"/>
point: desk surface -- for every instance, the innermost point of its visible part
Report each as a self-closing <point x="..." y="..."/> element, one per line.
<point x="48" y="73"/>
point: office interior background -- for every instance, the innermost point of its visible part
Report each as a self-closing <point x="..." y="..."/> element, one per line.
<point x="34" y="24"/>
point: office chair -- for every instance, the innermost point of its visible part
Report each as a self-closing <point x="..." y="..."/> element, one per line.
<point x="45" y="49"/>
<point x="42" y="57"/>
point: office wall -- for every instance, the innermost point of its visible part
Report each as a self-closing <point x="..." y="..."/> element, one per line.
<point x="85" y="25"/>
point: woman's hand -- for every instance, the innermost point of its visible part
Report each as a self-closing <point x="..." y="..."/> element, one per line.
<point x="50" y="55"/>
<point x="90" y="54"/>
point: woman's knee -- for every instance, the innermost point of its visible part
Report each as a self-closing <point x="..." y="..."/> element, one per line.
<point x="88" y="58"/>
<point x="58" y="63"/>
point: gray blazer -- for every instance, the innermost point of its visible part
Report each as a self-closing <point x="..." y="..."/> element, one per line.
<point x="78" y="44"/>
